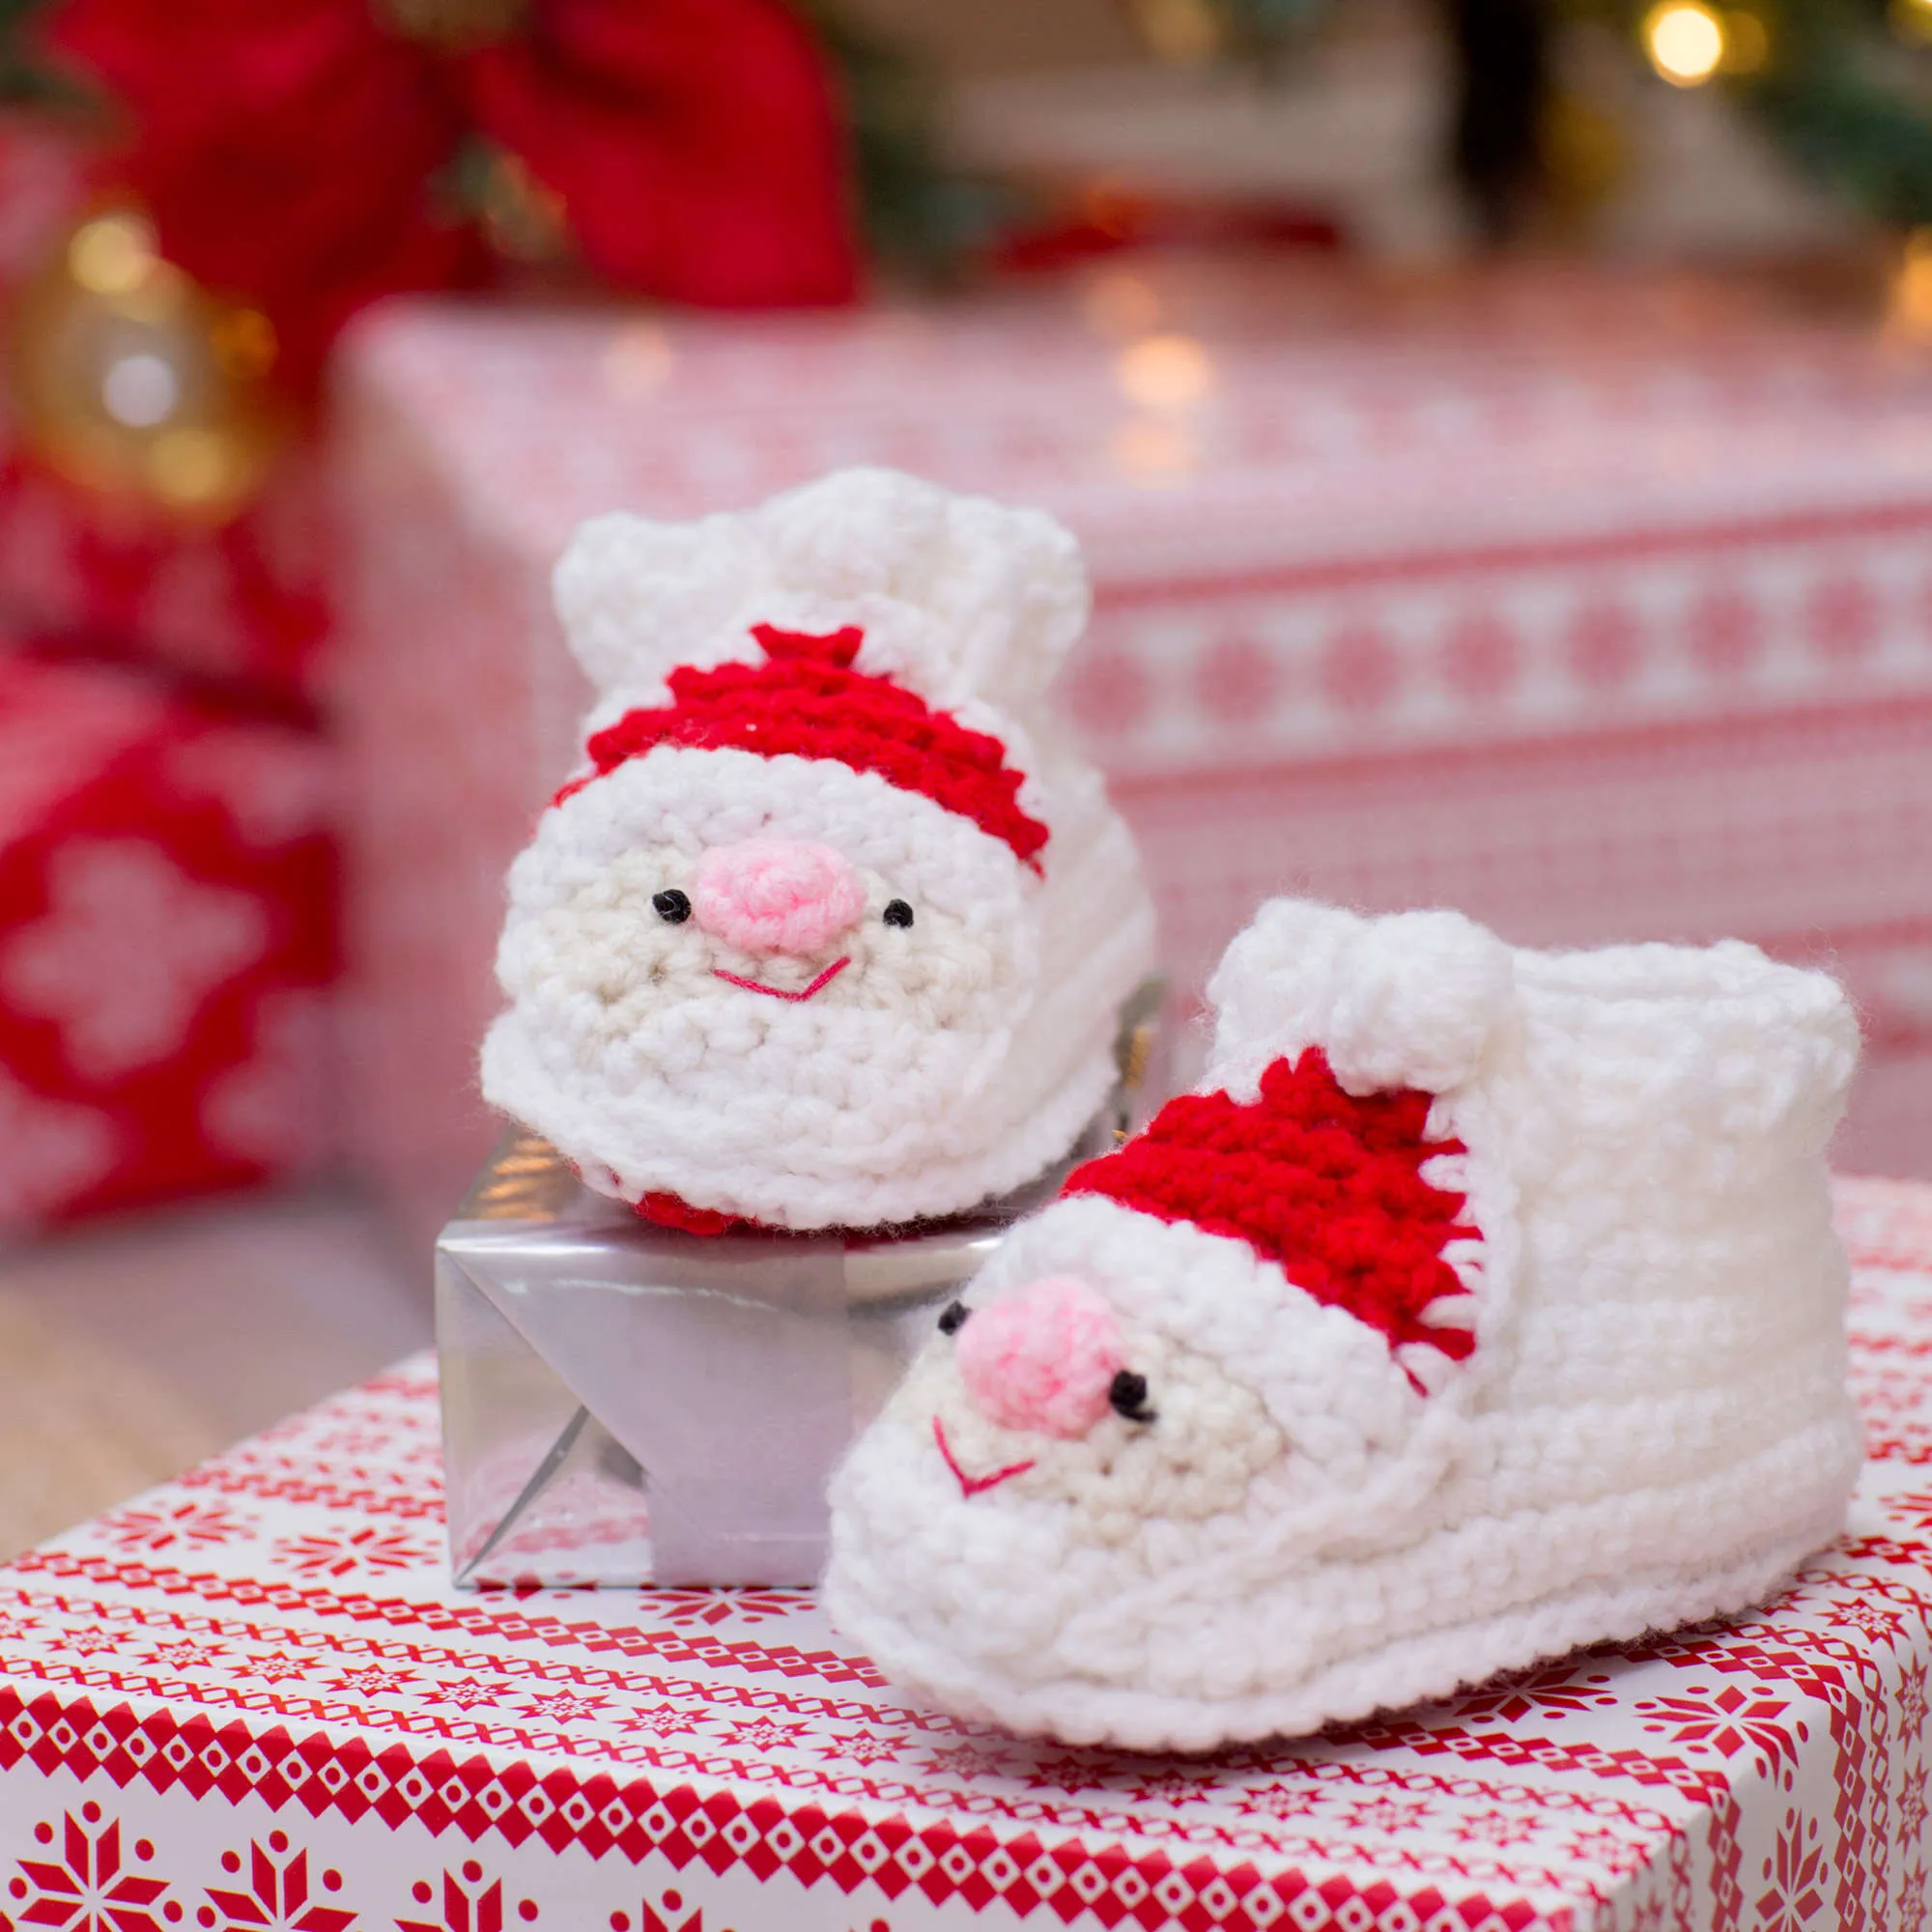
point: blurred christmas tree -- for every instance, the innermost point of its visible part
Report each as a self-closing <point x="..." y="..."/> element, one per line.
<point x="1842" y="87"/>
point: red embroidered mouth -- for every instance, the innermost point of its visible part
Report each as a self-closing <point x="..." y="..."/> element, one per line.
<point x="818" y="985"/>
<point x="973" y="1486"/>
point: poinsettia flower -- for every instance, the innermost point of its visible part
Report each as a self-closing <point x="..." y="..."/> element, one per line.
<point x="284" y="152"/>
<point x="293" y="155"/>
<point x="691" y="142"/>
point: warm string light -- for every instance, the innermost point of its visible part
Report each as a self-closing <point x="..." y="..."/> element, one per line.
<point x="1908" y="315"/>
<point x="1685" y="41"/>
<point x="1690" y="42"/>
<point x="1912" y="20"/>
<point x="1166" y="376"/>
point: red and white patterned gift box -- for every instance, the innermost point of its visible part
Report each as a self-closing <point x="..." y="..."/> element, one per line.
<point x="166" y="944"/>
<point x="250" y="1700"/>
<point x="1598" y="610"/>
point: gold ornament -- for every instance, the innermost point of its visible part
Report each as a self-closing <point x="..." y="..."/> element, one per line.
<point x="131" y="379"/>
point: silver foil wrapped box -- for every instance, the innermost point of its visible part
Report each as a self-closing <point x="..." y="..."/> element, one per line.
<point x="624" y="1404"/>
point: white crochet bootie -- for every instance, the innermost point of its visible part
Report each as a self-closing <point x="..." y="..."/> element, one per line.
<point x="1483" y="1304"/>
<point x="831" y="930"/>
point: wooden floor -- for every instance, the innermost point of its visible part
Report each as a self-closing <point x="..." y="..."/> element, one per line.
<point x="128" y="1352"/>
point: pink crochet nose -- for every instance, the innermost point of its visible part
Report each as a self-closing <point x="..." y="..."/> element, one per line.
<point x="1043" y="1358"/>
<point x="776" y="894"/>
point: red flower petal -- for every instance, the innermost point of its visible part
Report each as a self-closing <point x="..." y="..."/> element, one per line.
<point x="282" y="149"/>
<point x="693" y="143"/>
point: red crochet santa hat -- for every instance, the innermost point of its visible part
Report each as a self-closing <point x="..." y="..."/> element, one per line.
<point x="806" y="699"/>
<point x="1325" y="1184"/>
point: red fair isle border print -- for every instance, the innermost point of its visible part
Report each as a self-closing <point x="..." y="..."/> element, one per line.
<point x="269" y="1650"/>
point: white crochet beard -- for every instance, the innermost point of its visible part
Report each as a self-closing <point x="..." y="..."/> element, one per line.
<point x="625" y="1012"/>
<point x="952" y="1060"/>
<point x="1654" y="1427"/>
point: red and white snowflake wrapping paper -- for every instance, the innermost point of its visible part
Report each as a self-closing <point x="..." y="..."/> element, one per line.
<point x="1599" y="609"/>
<point x="166" y="944"/>
<point x="250" y="1700"/>
<point x="239" y="606"/>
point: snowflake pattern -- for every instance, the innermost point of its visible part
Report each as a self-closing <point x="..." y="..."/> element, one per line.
<point x="467" y="1693"/>
<point x="1796" y="1873"/>
<point x="88" y="1885"/>
<point x="467" y="1903"/>
<point x="1727" y="1721"/>
<point x="1279" y="1801"/>
<point x="185" y="1654"/>
<point x="674" y="1917"/>
<point x="863" y="1748"/>
<point x="372" y="1680"/>
<point x="1389" y="1817"/>
<point x="970" y="1761"/>
<point x="561" y="1707"/>
<point x="1876" y="1621"/>
<point x="660" y="1721"/>
<point x="1494" y="1828"/>
<point x="1176" y="1787"/>
<point x="82" y="1640"/>
<point x="679" y="1608"/>
<point x="277" y="1898"/>
<point x="178" y="1526"/>
<point x="764" y="1733"/>
<point x="111" y="902"/>
<point x="275" y="1667"/>
<point x="342" y="1555"/>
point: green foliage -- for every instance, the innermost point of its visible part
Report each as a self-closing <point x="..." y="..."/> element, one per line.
<point x="920" y="215"/>
<point x="1842" y="119"/>
<point x="27" y="77"/>
<point x="1841" y="95"/>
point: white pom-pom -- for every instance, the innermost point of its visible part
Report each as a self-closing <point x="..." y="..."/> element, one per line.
<point x="1407" y="1000"/>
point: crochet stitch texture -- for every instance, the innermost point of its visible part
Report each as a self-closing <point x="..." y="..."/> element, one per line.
<point x="832" y="928"/>
<point x="1484" y="1303"/>
<point x="1327" y="1185"/>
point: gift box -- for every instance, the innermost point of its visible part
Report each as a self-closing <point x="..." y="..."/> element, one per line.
<point x="629" y="1403"/>
<point x="236" y="606"/>
<point x="1597" y="609"/>
<point x="252" y="1698"/>
<point x="167" y="944"/>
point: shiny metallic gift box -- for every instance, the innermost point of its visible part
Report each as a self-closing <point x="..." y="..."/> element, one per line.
<point x="624" y="1404"/>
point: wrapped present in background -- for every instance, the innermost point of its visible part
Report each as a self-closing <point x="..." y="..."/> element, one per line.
<point x="1598" y="609"/>
<point x="237" y="605"/>
<point x="166" y="944"/>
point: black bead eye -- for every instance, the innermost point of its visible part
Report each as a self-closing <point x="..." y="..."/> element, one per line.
<point x="672" y="907"/>
<point x="952" y="1318"/>
<point x="898" y="913"/>
<point x="1128" y="1394"/>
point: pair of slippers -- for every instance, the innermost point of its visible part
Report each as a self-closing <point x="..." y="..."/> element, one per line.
<point x="1481" y="1304"/>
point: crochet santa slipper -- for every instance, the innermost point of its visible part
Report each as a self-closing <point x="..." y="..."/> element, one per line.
<point x="831" y="930"/>
<point x="1484" y="1304"/>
